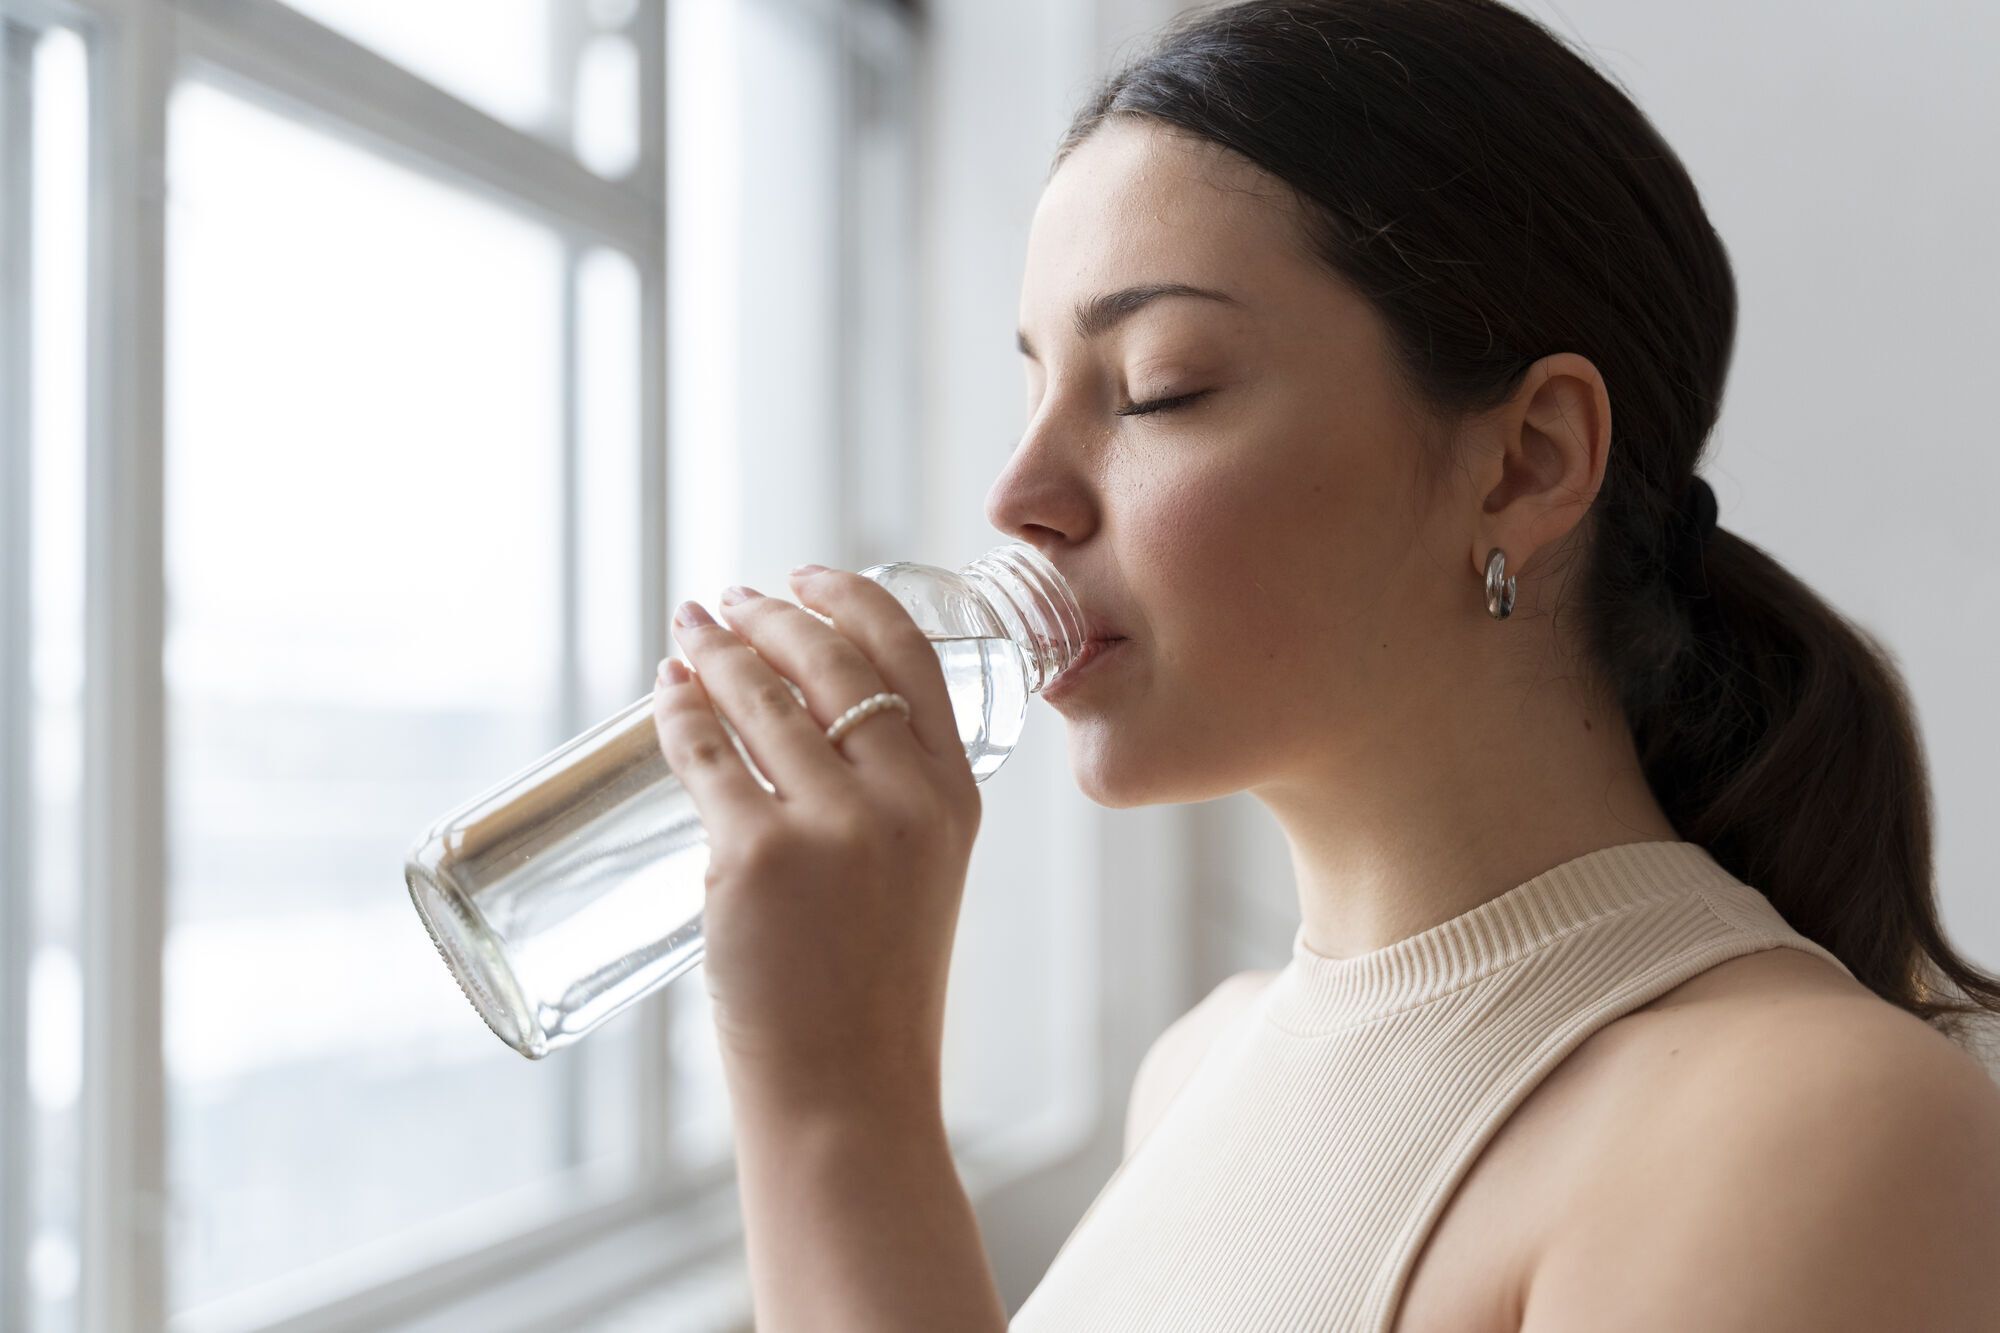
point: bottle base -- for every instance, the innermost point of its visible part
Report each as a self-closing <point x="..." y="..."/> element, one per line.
<point x="475" y="960"/>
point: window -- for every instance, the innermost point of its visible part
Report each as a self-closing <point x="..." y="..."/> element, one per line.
<point x="366" y="619"/>
<point x="334" y="485"/>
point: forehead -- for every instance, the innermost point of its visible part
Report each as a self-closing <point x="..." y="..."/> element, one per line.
<point x="1139" y="202"/>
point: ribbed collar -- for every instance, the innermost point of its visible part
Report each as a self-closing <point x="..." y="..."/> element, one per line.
<point x="1315" y="994"/>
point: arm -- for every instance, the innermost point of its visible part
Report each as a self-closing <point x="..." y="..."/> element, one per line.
<point x="857" y="1221"/>
<point x="829" y="916"/>
<point x="1816" y="1183"/>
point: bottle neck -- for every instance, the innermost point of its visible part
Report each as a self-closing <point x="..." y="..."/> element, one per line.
<point x="1035" y="606"/>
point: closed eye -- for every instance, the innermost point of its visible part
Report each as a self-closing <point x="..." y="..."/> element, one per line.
<point x="1161" y="404"/>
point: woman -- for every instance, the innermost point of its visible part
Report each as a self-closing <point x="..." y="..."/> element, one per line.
<point x="1619" y="998"/>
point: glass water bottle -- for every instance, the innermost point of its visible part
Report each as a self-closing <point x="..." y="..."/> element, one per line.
<point x="575" y="887"/>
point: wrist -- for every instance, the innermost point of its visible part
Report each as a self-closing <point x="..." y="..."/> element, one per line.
<point x="762" y="1103"/>
<point x="873" y="1136"/>
<point x="905" y="1089"/>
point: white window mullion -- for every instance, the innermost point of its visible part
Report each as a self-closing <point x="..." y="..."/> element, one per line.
<point x="648" y="177"/>
<point x="656" y="1082"/>
<point x="124" y="845"/>
<point x="570" y="687"/>
<point x="17" y="916"/>
<point x="882" y="472"/>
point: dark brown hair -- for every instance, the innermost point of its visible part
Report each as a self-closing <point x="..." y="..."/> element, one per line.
<point x="1496" y="199"/>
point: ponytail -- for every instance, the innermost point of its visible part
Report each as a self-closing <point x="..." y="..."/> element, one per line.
<point x="1780" y="737"/>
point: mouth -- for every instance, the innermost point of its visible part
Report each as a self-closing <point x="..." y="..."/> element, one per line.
<point x="1093" y="650"/>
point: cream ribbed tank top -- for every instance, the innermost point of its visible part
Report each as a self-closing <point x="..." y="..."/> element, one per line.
<point x="1297" y="1173"/>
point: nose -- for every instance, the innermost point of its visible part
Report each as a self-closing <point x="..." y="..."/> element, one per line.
<point x="1041" y="491"/>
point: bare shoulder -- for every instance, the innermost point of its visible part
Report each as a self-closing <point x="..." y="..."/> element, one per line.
<point x="1172" y="1058"/>
<point x="1767" y="1024"/>
<point x="1789" y="1151"/>
<point x="1791" y="1040"/>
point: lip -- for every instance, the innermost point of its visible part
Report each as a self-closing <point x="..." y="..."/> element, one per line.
<point x="1095" y="629"/>
<point x="1094" y="652"/>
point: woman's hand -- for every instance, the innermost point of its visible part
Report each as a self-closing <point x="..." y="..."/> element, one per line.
<point x="830" y="914"/>
<point x="832" y="904"/>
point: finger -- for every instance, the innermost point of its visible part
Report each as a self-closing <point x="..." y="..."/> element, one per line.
<point x="725" y="793"/>
<point x="870" y="616"/>
<point x="788" y="746"/>
<point x="833" y="673"/>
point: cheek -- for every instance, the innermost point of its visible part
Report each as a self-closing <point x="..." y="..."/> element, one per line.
<point x="1231" y="568"/>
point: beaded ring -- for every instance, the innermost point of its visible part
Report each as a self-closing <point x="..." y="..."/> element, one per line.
<point x="867" y="708"/>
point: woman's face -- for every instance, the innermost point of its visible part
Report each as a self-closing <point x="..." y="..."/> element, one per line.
<point x="1292" y="596"/>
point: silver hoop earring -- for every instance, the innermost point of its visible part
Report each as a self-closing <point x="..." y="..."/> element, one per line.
<point x="1499" y="588"/>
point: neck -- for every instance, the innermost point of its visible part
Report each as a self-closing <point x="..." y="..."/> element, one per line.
<point x="1427" y="820"/>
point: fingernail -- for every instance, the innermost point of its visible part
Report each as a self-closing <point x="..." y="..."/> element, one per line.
<point x="673" y="671"/>
<point x="804" y="570"/>
<point x="736" y="592"/>
<point x="691" y="613"/>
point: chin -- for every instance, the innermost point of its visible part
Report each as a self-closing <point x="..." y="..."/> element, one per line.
<point x="1122" y="781"/>
<point x="1097" y="770"/>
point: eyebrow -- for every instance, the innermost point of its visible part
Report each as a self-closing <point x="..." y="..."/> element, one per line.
<point x="1100" y="314"/>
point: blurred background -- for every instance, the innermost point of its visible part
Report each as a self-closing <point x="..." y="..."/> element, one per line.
<point x="376" y="374"/>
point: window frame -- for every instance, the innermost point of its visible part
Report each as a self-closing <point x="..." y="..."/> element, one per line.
<point x="137" y="51"/>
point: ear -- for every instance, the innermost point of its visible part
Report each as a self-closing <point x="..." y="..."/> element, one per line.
<point x="1540" y="478"/>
